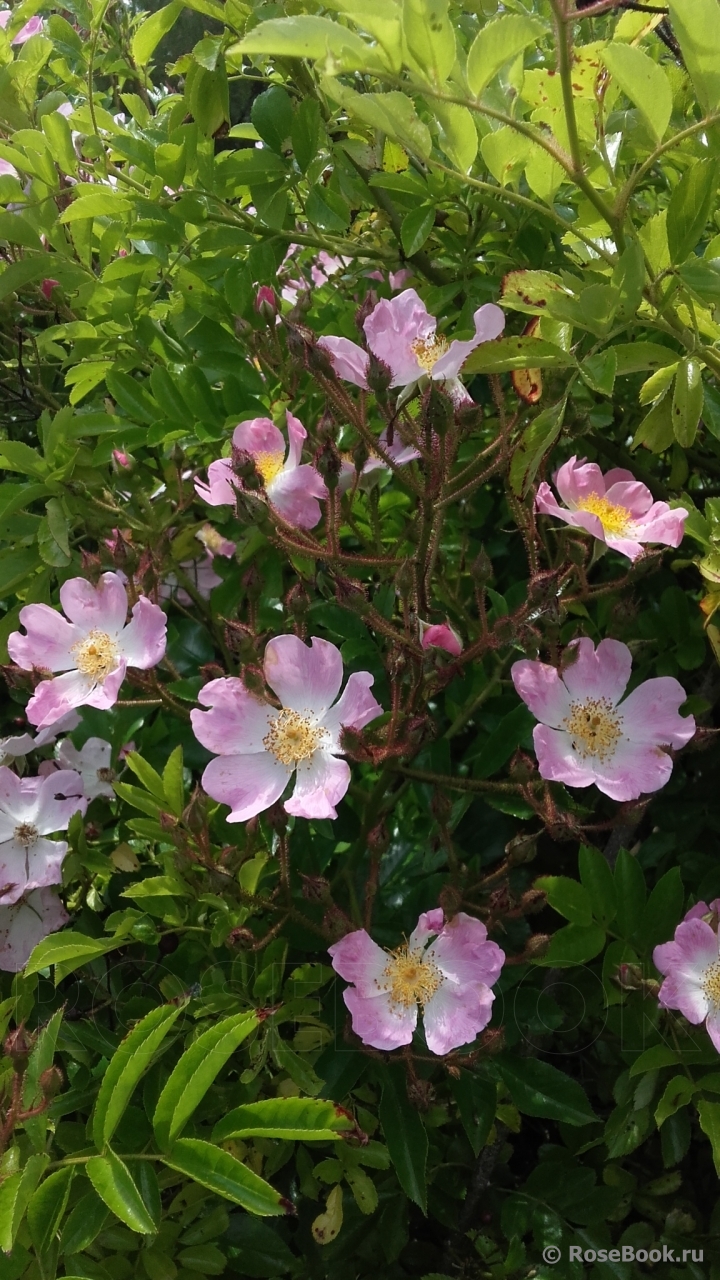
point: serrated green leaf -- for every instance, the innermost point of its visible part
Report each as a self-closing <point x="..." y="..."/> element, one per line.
<point x="195" y="1072"/>
<point x="222" y="1173"/>
<point x="643" y="82"/>
<point x="496" y="44"/>
<point x="113" y="1182"/>
<point x="151" y="31"/>
<point x="129" y="1062"/>
<point x="293" y="1119"/>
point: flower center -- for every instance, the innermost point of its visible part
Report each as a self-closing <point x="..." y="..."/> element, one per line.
<point x="292" y="737"/>
<point x="429" y="350"/>
<point x="613" y="518"/>
<point x="96" y="655"/>
<point x="26" y="834"/>
<point x="595" y="728"/>
<point x="268" y="465"/>
<point x="411" y="978"/>
<point x="711" y="982"/>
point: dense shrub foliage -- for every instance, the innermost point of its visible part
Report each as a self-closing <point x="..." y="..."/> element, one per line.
<point x="359" y="821"/>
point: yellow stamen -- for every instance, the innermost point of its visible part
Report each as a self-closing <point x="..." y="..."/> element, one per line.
<point x="96" y="656"/>
<point x="269" y="465"/>
<point x="26" y="834"/>
<point x="711" y="982"/>
<point x="429" y="350"/>
<point x="293" y="737"/>
<point x="411" y="979"/>
<point x="595" y="728"/>
<point x="613" y="518"/>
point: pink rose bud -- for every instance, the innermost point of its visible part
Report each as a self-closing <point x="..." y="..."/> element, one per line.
<point x="47" y="287"/>
<point x="442" y="636"/>
<point x="266" y="302"/>
<point x="122" y="459"/>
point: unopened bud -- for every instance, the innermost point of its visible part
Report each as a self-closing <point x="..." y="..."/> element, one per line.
<point x="51" y="1082"/>
<point x="242" y="938"/>
<point x="336" y="923"/>
<point x="328" y="463"/>
<point x="533" y="901"/>
<point x="493" y="1040"/>
<point x="254" y="680"/>
<point x="481" y="568"/>
<point x="629" y="977"/>
<point x="379" y="376"/>
<point x="366" y="308"/>
<point x="438" y="410"/>
<point x="266" y="303"/>
<point x="469" y="418"/>
<point x="315" y="888"/>
<point x="243" y="465"/>
<point x="297" y="601"/>
<point x="450" y="899"/>
<point x="277" y="818"/>
<point x="521" y="849"/>
<point x="319" y="361"/>
<point x="537" y="945"/>
<point x="18" y="1047"/>
<point x="123" y="461"/>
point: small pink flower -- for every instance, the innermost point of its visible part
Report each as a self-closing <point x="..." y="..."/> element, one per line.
<point x="325" y="266"/>
<point x="12" y="748"/>
<point x="26" y="923"/>
<point x="402" y="333"/>
<point x="92" y="762"/>
<point x="615" y="507"/>
<point x="47" y="286"/>
<point x="259" y="747"/>
<point x="93" y="649"/>
<point x="586" y="734"/>
<point x="690" y="965"/>
<point x="292" y="488"/>
<point x="31" y="28"/>
<point x="400" y="454"/>
<point x="450" y="979"/>
<point x="30" y="809"/>
<point x="8" y="170"/>
<point x="441" y="636"/>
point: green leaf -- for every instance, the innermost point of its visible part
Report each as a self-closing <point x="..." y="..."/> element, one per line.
<point x="18" y="274"/>
<point x="597" y="878"/>
<point x="636" y="357"/>
<point x="83" y="1224"/>
<point x="195" y="1072"/>
<point x="689" y="208"/>
<point x="15" y="1194"/>
<point x="59" y="138"/>
<point x="696" y="24"/>
<point x="100" y="205"/>
<point x="539" y="1089"/>
<point x="631" y="893"/>
<point x="503" y="740"/>
<point x="305" y="132"/>
<point x="129" y="1062"/>
<point x="656" y="429"/>
<point x="151" y="31"/>
<point x="405" y="1136"/>
<point x="148" y="776"/>
<point x="600" y="370"/>
<point x="306" y="36"/>
<point x="476" y="1098"/>
<point x="173" y="785"/>
<point x="643" y="82"/>
<point x="114" y="1184"/>
<point x="222" y="1173"/>
<point x="567" y="897"/>
<point x="678" y="1093"/>
<point x="392" y="113"/>
<point x="67" y="951"/>
<point x="416" y="227"/>
<point x="505" y="354"/>
<point x="498" y="43"/>
<point x="664" y="910"/>
<point x="46" y="1209"/>
<point x="294" y="1119"/>
<point x="687" y="401"/>
<point x="458" y="134"/>
<point x="272" y="115"/>
<point x="429" y="37"/>
<point x="575" y="944"/>
<point x="131" y="396"/>
<point x="702" y="276"/>
<point x="709" y="1113"/>
<point x="536" y="441"/>
<point x="654" y="1059"/>
<point x="42" y="1057"/>
<point x="53" y="535"/>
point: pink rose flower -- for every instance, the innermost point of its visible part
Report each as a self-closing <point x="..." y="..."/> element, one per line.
<point x="615" y="507"/>
<point x="259" y="747"/>
<point x="449" y="978"/>
<point x="93" y="649"/>
<point x="586" y="734"/>
<point x="31" y="28"/>
<point x="400" y="454"/>
<point x="26" y="923"/>
<point x="292" y="488"/>
<point x="92" y="762"/>
<point x="30" y="809"/>
<point x="12" y="748"/>
<point x="690" y="965"/>
<point x="441" y="636"/>
<point x="402" y="333"/>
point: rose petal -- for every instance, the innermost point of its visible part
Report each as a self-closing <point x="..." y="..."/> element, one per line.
<point x="306" y="678"/>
